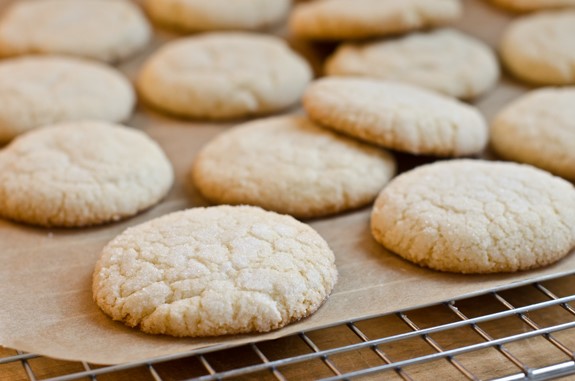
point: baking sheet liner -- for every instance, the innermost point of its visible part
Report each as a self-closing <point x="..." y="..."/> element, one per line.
<point x="45" y="274"/>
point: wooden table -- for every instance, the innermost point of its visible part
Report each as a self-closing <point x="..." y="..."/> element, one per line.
<point x="348" y="347"/>
<point x="502" y="316"/>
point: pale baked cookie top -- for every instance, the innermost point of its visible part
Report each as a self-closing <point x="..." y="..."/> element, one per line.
<point x="540" y="48"/>
<point x="214" y="271"/>
<point x="397" y="116"/>
<point x="476" y="216"/>
<point x="206" y="15"/>
<point x="539" y="129"/>
<point x="445" y="60"/>
<point x="81" y="173"/>
<point x="106" y="30"/>
<point x="352" y="19"/>
<point x="532" y="5"/>
<point x="224" y="75"/>
<point x="40" y="90"/>
<point x="290" y="165"/>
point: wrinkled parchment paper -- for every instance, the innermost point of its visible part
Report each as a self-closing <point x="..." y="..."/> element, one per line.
<point x="45" y="274"/>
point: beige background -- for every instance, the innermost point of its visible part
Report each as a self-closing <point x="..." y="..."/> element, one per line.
<point x="45" y="274"/>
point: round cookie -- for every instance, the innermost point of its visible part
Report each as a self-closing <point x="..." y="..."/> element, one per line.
<point x="41" y="90"/>
<point x="290" y="165"/>
<point x="540" y="48"/>
<point x="224" y="75"/>
<point x="106" y="30"/>
<point x="397" y="116"/>
<point x="465" y="68"/>
<point x="81" y="173"/>
<point x="472" y="216"/>
<point x="214" y="271"/>
<point x="207" y="15"/>
<point x="532" y="5"/>
<point x="344" y="19"/>
<point x="539" y="129"/>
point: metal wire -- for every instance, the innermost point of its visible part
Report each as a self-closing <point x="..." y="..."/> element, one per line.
<point x="27" y="368"/>
<point x="18" y="357"/>
<point x="324" y="358"/>
<point x="207" y="365"/>
<point x="534" y="325"/>
<point x="455" y="352"/>
<point x="488" y="338"/>
<point x="438" y="348"/>
<point x="87" y="368"/>
<point x="274" y="367"/>
<point x="378" y="352"/>
<point x="154" y="374"/>
<point x="265" y="360"/>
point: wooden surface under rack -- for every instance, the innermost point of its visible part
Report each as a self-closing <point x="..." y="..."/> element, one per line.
<point x="527" y="313"/>
<point x="342" y="348"/>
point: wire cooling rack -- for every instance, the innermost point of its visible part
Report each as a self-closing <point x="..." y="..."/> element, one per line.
<point x="519" y="333"/>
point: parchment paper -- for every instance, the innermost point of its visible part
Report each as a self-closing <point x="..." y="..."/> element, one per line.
<point x="45" y="275"/>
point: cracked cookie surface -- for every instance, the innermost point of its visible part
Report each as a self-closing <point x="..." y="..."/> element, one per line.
<point x="539" y="129"/>
<point x="81" y="173"/>
<point x="397" y="116"/>
<point x="41" y="90"/>
<point x="224" y="75"/>
<point x="206" y="15"/>
<point x="540" y="48"/>
<point x="445" y="60"/>
<point x="214" y="271"/>
<point x="105" y="30"/>
<point x="344" y="19"/>
<point x="474" y="216"/>
<point x="291" y="165"/>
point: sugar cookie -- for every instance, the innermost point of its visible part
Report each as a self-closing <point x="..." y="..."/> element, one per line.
<point x="214" y="271"/>
<point x="352" y="19"/>
<point x="106" y="30"/>
<point x="445" y="60"/>
<point x="41" y="90"/>
<point x="397" y="116"/>
<point x="224" y="75"/>
<point x="473" y="216"/>
<point x="81" y="173"/>
<point x="532" y="5"/>
<point x="540" y="48"/>
<point x="539" y="129"/>
<point x="290" y="165"/>
<point x="207" y="15"/>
